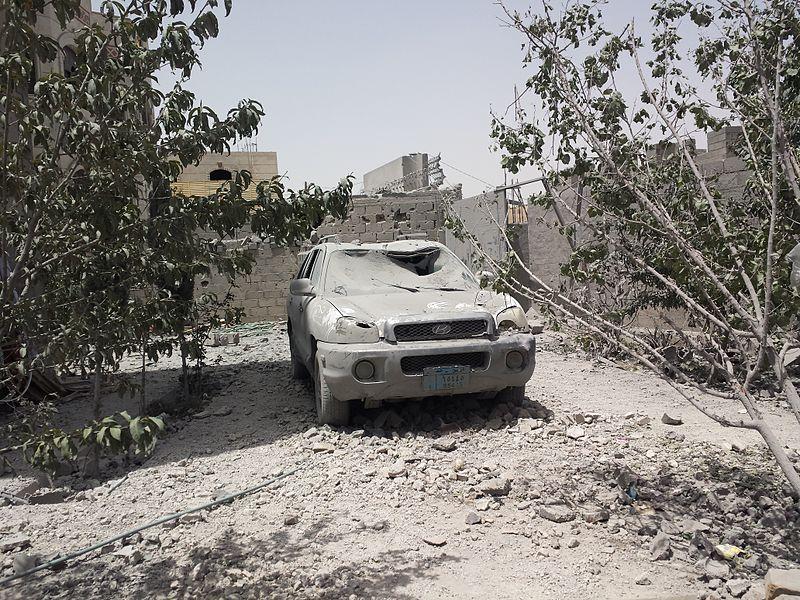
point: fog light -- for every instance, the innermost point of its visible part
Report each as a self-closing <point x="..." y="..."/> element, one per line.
<point x="364" y="370"/>
<point x="515" y="360"/>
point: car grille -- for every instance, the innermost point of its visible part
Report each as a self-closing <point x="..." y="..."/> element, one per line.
<point x="414" y="365"/>
<point x="439" y="330"/>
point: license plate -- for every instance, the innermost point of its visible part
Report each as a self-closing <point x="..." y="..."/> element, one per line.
<point x="444" y="378"/>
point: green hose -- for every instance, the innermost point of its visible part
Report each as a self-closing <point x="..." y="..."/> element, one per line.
<point x="57" y="561"/>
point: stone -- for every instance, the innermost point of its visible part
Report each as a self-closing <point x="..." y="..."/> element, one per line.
<point x="668" y="420"/>
<point x="472" y="518"/>
<point x="643" y="580"/>
<point x="713" y="569"/>
<point x="737" y="587"/>
<point x="445" y="445"/>
<point x="292" y="519"/>
<point x="573" y="543"/>
<point x="323" y="448"/>
<point x="557" y="513"/>
<point x="130" y="554"/>
<point x="497" y="486"/>
<point x="24" y="562"/>
<point x="575" y="432"/>
<point x="222" y="412"/>
<point x="595" y="514"/>
<point x="782" y="581"/>
<point x="397" y="469"/>
<point x="15" y="540"/>
<point x="482" y="504"/>
<point x="435" y="540"/>
<point x="661" y="547"/>
<point x="192" y="518"/>
<point x="643" y="421"/>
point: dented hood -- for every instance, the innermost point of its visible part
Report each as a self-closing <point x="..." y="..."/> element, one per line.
<point x="378" y="307"/>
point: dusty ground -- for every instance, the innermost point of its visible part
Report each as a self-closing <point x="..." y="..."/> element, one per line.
<point x="381" y="509"/>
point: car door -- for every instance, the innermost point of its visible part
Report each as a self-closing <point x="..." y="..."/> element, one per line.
<point x="298" y="309"/>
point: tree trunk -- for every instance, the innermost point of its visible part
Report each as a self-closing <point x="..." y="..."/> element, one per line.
<point x="783" y="461"/>
<point x="92" y="468"/>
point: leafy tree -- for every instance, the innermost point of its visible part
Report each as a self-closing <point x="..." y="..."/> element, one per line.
<point x="646" y="223"/>
<point x="97" y="254"/>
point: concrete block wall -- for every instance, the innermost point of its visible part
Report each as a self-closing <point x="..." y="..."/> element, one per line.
<point x="263" y="293"/>
<point x="385" y="218"/>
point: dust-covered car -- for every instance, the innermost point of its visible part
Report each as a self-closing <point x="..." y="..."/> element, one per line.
<point x="381" y="322"/>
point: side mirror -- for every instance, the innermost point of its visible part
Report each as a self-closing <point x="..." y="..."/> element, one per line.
<point x="301" y="287"/>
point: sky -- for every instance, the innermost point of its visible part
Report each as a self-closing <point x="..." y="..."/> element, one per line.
<point x="349" y="85"/>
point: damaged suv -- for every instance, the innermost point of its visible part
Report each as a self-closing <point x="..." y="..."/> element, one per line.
<point x="382" y="322"/>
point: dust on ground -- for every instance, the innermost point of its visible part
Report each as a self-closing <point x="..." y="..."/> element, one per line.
<point x="581" y="491"/>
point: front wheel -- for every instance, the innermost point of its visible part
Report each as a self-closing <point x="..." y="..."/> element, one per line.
<point x="514" y="395"/>
<point x="330" y="411"/>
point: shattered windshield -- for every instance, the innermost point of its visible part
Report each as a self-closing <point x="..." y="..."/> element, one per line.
<point x="367" y="271"/>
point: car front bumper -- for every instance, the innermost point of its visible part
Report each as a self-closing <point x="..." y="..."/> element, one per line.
<point x="391" y="382"/>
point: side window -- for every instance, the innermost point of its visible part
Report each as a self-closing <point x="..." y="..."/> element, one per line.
<point x="306" y="258"/>
<point x="316" y="270"/>
<point x="308" y="266"/>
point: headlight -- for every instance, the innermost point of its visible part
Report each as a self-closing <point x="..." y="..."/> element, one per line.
<point x="349" y="330"/>
<point x="511" y="319"/>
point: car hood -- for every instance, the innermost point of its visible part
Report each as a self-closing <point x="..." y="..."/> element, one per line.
<point x="378" y="307"/>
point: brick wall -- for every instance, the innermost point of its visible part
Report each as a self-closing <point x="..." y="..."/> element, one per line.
<point x="373" y="219"/>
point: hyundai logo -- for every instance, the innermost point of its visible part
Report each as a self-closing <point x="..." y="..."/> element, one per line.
<point x="441" y="329"/>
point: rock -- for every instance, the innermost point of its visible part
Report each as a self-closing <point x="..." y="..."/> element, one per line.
<point x="482" y="504"/>
<point x="573" y="543"/>
<point x="15" y="540"/>
<point x="774" y="518"/>
<point x="24" y="562"/>
<point x="713" y="569"/>
<point x="497" y="486"/>
<point x="643" y="421"/>
<point x="668" y="420"/>
<point x="595" y="514"/>
<point x="192" y="518"/>
<point x="782" y="581"/>
<point x="291" y="519"/>
<point x="472" y="518"/>
<point x="222" y="412"/>
<point x="51" y="497"/>
<point x="494" y="423"/>
<point x="643" y="580"/>
<point x="396" y="469"/>
<point x="458" y="464"/>
<point x="575" y="432"/>
<point x="130" y="554"/>
<point x="737" y="587"/>
<point x="323" y="448"/>
<point x="557" y="513"/>
<point x="661" y="547"/>
<point x="435" y="540"/>
<point x="445" y="445"/>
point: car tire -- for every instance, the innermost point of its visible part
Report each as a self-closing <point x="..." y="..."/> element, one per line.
<point x="514" y="395"/>
<point x="299" y="370"/>
<point x="330" y="411"/>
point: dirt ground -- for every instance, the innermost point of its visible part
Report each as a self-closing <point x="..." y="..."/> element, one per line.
<point x="581" y="492"/>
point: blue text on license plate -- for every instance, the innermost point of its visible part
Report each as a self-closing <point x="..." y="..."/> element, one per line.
<point x="444" y="378"/>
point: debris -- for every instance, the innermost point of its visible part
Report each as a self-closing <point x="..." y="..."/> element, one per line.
<point x="482" y="504"/>
<point x="497" y="486"/>
<point x="575" y="432"/>
<point x="643" y="421"/>
<point x="130" y="554"/>
<point x="643" y="580"/>
<point x="668" y="420"/>
<point x="472" y="518"/>
<point x="435" y="540"/>
<point x="595" y="514"/>
<point x="713" y="569"/>
<point x="291" y="519"/>
<point x="397" y="469"/>
<point x="323" y="448"/>
<point x="660" y="547"/>
<point x="737" y="587"/>
<point x="24" y="562"/>
<point x="15" y="540"/>
<point x="573" y="542"/>
<point x="445" y="445"/>
<point x="727" y="551"/>
<point x="557" y="513"/>
<point x="782" y="581"/>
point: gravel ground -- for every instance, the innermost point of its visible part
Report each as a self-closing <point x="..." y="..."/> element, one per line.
<point x="580" y="492"/>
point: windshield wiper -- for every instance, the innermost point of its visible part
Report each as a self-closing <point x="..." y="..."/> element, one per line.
<point x="397" y="285"/>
